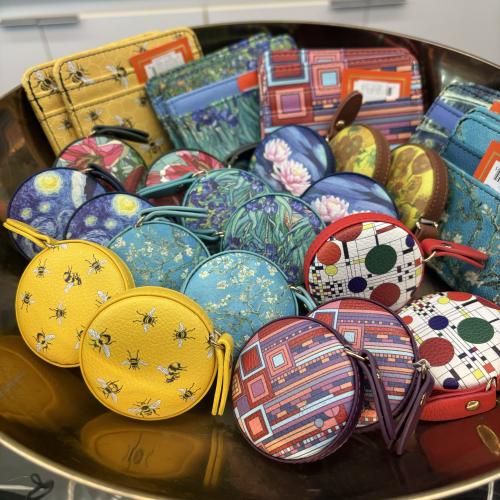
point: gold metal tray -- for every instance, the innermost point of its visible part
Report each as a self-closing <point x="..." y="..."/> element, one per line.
<point x="48" y="416"/>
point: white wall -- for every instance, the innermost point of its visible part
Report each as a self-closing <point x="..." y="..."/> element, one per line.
<point x="472" y="26"/>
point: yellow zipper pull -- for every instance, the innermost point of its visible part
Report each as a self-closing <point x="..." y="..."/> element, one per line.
<point x="30" y="233"/>
<point x="224" y="356"/>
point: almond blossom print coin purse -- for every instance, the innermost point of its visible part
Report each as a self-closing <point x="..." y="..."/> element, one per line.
<point x="298" y="392"/>
<point x="241" y="291"/>
<point x="374" y="256"/>
<point x="158" y="251"/>
<point x="152" y="353"/>
<point x="48" y="199"/>
<point x="106" y="147"/>
<point x="458" y="334"/>
<point x="61" y="289"/>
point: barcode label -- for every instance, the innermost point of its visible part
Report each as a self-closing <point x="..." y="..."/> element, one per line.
<point x="493" y="177"/>
<point x="161" y="64"/>
<point x="373" y="90"/>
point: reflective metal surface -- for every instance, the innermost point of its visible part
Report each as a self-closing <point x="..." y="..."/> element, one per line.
<point x="47" y="415"/>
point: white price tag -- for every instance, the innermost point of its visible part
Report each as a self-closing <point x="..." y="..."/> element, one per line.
<point x="493" y="177"/>
<point x="374" y="90"/>
<point x="161" y="64"/>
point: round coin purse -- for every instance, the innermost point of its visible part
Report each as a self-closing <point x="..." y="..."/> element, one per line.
<point x="176" y="165"/>
<point x="344" y="193"/>
<point x="418" y="182"/>
<point x="48" y="199"/>
<point x="219" y="192"/>
<point x="365" y="324"/>
<point x="291" y="158"/>
<point x="106" y="148"/>
<point x="61" y="289"/>
<point x="104" y="216"/>
<point x="278" y="226"/>
<point x="297" y="390"/>
<point x="153" y="353"/>
<point x="374" y="256"/>
<point x="241" y="291"/>
<point x="458" y="334"/>
<point x="157" y="251"/>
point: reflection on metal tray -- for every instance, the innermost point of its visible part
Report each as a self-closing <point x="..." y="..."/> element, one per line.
<point x="48" y="416"/>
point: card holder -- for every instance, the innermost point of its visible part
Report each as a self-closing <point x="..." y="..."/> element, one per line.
<point x="105" y="77"/>
<point x="471" y="217"/>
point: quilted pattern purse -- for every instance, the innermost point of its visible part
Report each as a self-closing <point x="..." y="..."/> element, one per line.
<point x="63" y="277"/>
<point x="458" y="334"/>
<point x="152" y="353"/>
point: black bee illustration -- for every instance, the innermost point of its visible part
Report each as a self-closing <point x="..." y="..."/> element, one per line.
<point x="145" y="408"/>
<point x="95" y="265"/>
<point x="109" y="388"/>
<point x="134" y="362"/>
<point x="188" y="394"/>
<point x="124" y="122"/>
<point x="27" y="300"/>
<point x="45" y="82"/>
<point x="212" y="343"/>
<point x="119" y="73"/>
<point x="142" y="100"/>
<point x="43" y="340"/>
<point x="59" y="313"/>
<point x="153" y="146"/>
<point x="71" y="279"/>
<point x="94" y="115"/>
<point x="172" y="371"/>
<point x="147" y="320"/>
<point x="41" y="269"/>
<point x="65" y="124"/>
<point x="79" y="334"/>
<point x="181" y="334"/>
<point x="101" y="341"/>
<point x="102" y="297"/>
<point x="77" y="74"/>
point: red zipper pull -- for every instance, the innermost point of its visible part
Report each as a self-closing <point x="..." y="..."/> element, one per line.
<point x="438" y="248"/>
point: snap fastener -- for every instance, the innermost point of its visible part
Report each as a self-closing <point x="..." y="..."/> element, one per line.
<point x="472" y="405"/>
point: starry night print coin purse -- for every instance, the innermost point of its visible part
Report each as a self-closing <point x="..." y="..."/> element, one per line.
<point x="241" y="291"/>
<point x="161" y="355"/>
<point x="458" y="334"/>
<point x="157" y="250"/>
<point x="61" y="289"/>
<point x="374" y="256"/>
<point x="48" y="199"/>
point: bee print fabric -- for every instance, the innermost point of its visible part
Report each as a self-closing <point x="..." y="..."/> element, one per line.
<point x="103" y="217"/>
<point x="240" y="291"/>
<point x="458" y="333"/>
<point x="147" y="355"/>
<point x="59" y="292"/>
<point x="159" y="253"/>
<point x="47" y="201"/>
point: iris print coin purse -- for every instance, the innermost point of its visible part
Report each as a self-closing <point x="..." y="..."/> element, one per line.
<point x="153" y="353"/>
<point x="298" y="391"/>
<point x="158" y="251"/>
<point x="48" y="199"/>
<point x="61" y="289"/>
<point x="241" y="291"/>
<point x="368" y="325"/>
<point x="107" y="148"/>
<point x="104" y="216"/>
<point x="278" y="226"/>
<point x="374" y="256"/>
<point x="458" y="334"/>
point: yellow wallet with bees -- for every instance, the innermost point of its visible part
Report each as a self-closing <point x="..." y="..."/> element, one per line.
<point x="61" y="289"/>
<point x="44" y="95"/>
<point x="153" y="353"/>
<point x="102" y="87"/>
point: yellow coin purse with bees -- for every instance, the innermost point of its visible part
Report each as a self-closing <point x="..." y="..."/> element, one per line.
<point x="60" y="291"/>
<point x="153" y="353"/>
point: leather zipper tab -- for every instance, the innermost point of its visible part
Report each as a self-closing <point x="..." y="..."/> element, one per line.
<point x="224" y="357"/>
<point x="438" y="248"/>
<point x="345" y="114"/>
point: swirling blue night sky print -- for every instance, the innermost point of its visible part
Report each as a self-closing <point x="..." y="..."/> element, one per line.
<point x="47" y="200"/>
<point x="103" y="217"/>
<point x="292" y="158"/>
<point x="346" y="193"/>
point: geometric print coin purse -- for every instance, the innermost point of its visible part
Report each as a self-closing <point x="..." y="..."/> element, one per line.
<point x="61" y="289"/>
<point x="458" y="334"/>
<point x="152" y="353"/>
<point x="376" y="257"/>
<point x="298" y="390"/>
